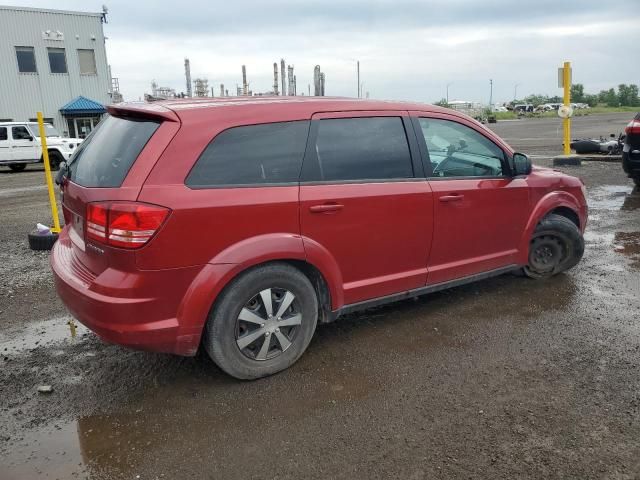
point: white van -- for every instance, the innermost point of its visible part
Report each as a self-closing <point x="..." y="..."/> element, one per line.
<point x="20" y="144"/>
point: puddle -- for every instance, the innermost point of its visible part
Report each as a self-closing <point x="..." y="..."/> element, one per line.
<point x="628" y="244"/>
<point x="38" y="334"/>
<point x="608" y="197"/>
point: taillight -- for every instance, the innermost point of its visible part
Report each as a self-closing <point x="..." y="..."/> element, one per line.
<point x="633" y="127"/>
<point x="124" y="224"/>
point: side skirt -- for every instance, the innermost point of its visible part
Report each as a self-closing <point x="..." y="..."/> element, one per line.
<point x="375" y="302"/>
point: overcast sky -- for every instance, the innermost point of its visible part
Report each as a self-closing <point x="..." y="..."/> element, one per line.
<point x="408" y="49"/>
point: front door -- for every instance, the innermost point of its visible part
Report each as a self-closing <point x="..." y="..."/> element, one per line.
<point x="23" y="145"/>
<point x="363" y="199"/>
<point x="480" y="210"/>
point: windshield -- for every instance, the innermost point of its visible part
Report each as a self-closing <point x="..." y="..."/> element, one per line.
<point x="49" y="130"/>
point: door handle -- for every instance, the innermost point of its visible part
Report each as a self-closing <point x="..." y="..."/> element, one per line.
<point x="326" y="208"/>
<point x="456" y="197"/>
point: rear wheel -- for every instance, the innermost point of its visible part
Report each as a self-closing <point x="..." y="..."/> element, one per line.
<point x="17" y="167"/>
<point x="556" y="246"/>
<point x="262" y="322"/>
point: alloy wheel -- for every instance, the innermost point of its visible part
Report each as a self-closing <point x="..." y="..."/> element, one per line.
<point x="267" y="324"/>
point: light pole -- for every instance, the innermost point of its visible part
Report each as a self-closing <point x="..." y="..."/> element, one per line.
<point x="491" y="94"/>
<point x="358" y="75"/>
<point x="515" y="91"/>
<point x="448" y="85"/>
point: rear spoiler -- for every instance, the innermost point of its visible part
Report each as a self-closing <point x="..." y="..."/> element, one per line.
<point x="143" y="110"/>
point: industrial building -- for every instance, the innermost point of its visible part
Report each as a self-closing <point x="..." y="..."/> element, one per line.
<point x="54" y="61"/>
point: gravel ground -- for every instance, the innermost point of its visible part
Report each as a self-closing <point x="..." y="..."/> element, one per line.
<point x="506" y="378"/>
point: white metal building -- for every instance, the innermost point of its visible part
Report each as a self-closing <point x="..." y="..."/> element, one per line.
<point x="53" y="61"/>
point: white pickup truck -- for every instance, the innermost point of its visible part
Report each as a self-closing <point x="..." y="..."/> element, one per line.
<point x="20" y="144"/>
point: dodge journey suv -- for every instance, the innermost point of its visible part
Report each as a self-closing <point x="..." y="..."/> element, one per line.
<point x="239" y="224"/>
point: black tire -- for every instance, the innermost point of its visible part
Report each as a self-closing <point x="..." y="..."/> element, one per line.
<point x="556" y="246"/>
<point x="223" y="330"/>
<point x="42" y="242"/>
<point x="55" y="159"/>
<point x="17" y="167"/>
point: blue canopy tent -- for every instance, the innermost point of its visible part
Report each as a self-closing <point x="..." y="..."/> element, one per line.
<point x="82" y="115"/>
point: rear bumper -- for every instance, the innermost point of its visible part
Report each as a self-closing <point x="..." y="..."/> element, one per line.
<point x="143" y="317"/>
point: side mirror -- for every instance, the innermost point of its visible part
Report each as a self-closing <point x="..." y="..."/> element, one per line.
<point x="521" y="164"/>
<point x="30" y="139"/>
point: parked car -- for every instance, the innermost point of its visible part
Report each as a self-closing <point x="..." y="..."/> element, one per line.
<point x="238" y="225"/>
<point x="631" y="150"/>
<point x="20" y="145"/>
<point x="523" y="108"/>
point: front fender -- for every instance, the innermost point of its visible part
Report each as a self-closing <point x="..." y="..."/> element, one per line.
<point x="545" y="205"/>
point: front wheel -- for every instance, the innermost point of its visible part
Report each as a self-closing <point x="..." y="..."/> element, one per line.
<point x="262" y="322"/>
<point x="556" y="246"/>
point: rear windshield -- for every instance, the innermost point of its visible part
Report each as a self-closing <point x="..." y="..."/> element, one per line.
<point x="105" y="157"/>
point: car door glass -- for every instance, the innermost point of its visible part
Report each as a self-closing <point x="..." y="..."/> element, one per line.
<point x="456" y="150"/>
<point x="367" y="148"/>
<point x="3" y="134"/>
<point x="20" y="133"/>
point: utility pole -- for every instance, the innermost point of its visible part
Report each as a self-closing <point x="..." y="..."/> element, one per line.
<point x="448" y="85"/>
<point x="358" y="74"/>
<point x="515" y="91"/>
<point x="491" y="94"/>
<point x="564" y="72"/>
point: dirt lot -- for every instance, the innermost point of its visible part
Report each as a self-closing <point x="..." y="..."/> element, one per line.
<point x="507" y="378"/>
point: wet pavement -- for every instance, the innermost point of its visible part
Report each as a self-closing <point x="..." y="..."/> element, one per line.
<point x="505" y="378"/>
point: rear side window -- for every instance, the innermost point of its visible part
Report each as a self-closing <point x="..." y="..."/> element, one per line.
<point x="3" y="133"/>
<point x="360" y="149"/>
<point x="252" y="155"/>
<point x="107" y="154"/>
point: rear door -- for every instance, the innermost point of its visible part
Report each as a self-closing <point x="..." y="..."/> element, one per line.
<point x="23" y="145"/>
<point x="363" y="198"/>
<point x="110" y="165"/>
<point x="480" y="209"/>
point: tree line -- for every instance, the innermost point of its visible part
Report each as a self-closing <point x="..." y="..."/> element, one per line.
<point x="624" y="96"/>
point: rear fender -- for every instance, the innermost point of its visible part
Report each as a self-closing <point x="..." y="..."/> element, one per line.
<point x="546" y="204"/>
<point x="232" y="261"/>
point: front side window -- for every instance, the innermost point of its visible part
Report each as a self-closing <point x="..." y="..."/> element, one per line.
<point x="20" y="133"/>
<point x="57" y="60"/>
<point x="456" y="150"/>
<point x="26" y="59"/>
<point x="371" y="148"/>
<point x="3" y="133"/>
<point x="252" y="155"/>
<point x="87" y="61"/>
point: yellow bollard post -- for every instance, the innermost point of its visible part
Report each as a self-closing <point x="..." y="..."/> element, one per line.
<point x="566" y="123"/>
<point x="47" y="173"/>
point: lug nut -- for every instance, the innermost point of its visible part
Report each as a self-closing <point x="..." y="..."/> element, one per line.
<point x="277" y="329"/>
<point x="262" y="325"/>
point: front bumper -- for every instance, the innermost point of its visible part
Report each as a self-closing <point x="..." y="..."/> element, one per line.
<point x="135" y="317"/>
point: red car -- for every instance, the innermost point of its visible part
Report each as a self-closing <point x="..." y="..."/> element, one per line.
<point x="239" y="224"/>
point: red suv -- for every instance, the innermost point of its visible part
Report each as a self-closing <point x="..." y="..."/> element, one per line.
<point x="239" y="224"/>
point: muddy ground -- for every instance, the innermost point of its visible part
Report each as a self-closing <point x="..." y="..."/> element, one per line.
<point x="506" y="378"/>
